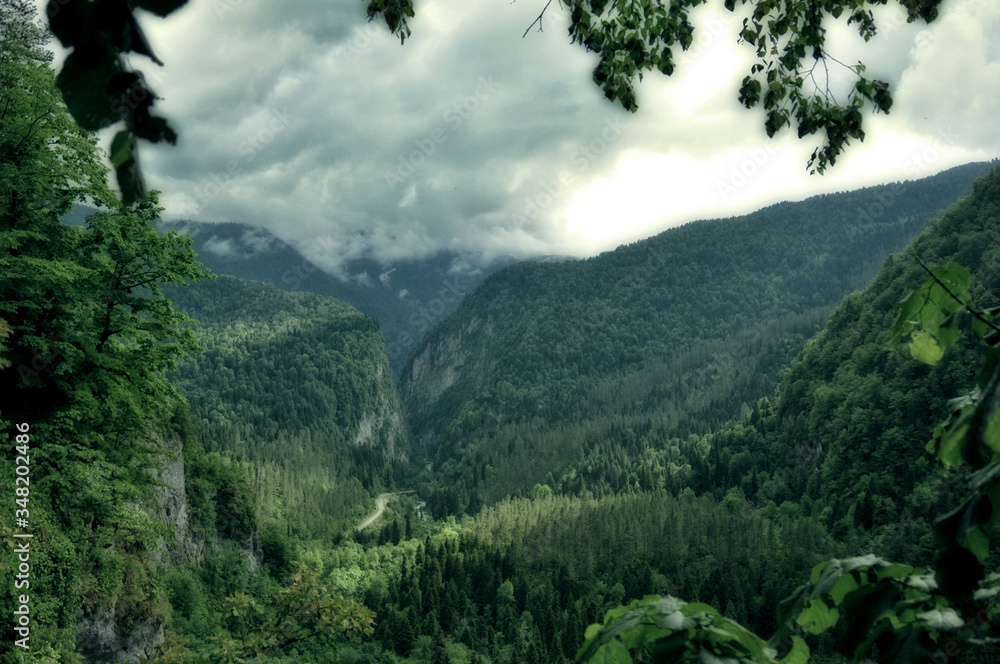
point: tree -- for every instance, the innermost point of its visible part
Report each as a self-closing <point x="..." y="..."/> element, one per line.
<point x="89" y="335"/>
<point x="789" y="41"/>
<point x="86" y="301"/>
<point x="790" y="78"/>
<point x="304" y="611"/>
<point x="88" y="332"/>
<point x="47" y="164"/>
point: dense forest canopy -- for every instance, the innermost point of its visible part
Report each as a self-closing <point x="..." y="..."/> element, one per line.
<point x="543" y="364"/>
<point x="295" y="387"/>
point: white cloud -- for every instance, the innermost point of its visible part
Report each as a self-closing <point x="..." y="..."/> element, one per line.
<point x="222" y="248"/>
<point x="291" y="114"/>
<point x="257" y="241"/>
<point x="953" y="80"/>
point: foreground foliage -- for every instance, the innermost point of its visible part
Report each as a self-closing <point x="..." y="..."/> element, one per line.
<point x="301" y="612"/>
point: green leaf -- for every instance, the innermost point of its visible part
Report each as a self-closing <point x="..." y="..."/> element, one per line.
<point x="708" y="657"/>
<point x="908" y="310"/>
<point x="691" y="608"/>
<point x="667" y="604"/>
<point x="976" y="541"/>
<point x="956" y="278"/>
<point x="130" y="179"/>
<point x="627" y="622"/>
<point x="944" y="620"/>
<point x="799" y="653"/>
<point x="925" y="348"/>
<point x="677" y="621"/>
<point x="817" y="617"/>
<point x="895" y="571"/>
<point x="121" y="148"/>
<point x="991" y="433"/>
<point x="612" y="652"/>
<point x="844" y="585"/>
<point x="84" y="90"/>
<point x="924" y="583"/>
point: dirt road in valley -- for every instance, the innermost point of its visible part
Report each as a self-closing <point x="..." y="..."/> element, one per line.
<point x="380" y="502"/>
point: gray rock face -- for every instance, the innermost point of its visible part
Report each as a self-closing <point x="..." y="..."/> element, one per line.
<point x="99" y="639"/>
<point x="170" y="507"/>
<point x="99" y="636"/>
<point x="448" y="361"/>
<point x="383" y="427"/>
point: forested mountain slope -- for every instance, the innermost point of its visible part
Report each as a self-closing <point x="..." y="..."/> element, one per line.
<point x="543" y="363"/>
<point x="849" y="427"/>
<point x="297" y="386"/>
<point x="407" y="297"/>
<point x="844" y="439"/>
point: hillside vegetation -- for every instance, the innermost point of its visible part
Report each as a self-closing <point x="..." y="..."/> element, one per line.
<point x="661" y="419"/>
<point x="543" y="364"/>
<point x="296" y="387"/>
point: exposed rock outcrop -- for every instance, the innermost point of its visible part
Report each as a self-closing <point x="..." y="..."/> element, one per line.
<point x="100" y="639"/>
<point x="456" y="360"/>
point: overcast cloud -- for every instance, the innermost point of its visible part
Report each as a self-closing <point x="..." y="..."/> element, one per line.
<point x="303" y="118"/>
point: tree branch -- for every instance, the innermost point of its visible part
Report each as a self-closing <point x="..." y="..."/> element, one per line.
<point x="947" y="290"/>
<point x="537" y="20"/>
<point x="31" y="129"/>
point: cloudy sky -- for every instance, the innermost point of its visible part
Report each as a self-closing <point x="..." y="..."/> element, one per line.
<point x="303" y="118"/>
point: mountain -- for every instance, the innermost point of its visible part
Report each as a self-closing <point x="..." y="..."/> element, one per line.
<point x="844" y="437"/>
<point x="543" y="363"/>
<point x="407" y="297"/>
<point x="297" y="387"/>
<point x="831" y="465"/>
<point x="847" y="432"/>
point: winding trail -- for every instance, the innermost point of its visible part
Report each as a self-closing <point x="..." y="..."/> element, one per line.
<point x="380" y="502"/>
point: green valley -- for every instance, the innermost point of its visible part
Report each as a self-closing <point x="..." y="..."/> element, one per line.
<point x="764" y="439"/>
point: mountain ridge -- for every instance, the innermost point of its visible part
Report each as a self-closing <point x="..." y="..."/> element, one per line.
<point x="540" y="343"/>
